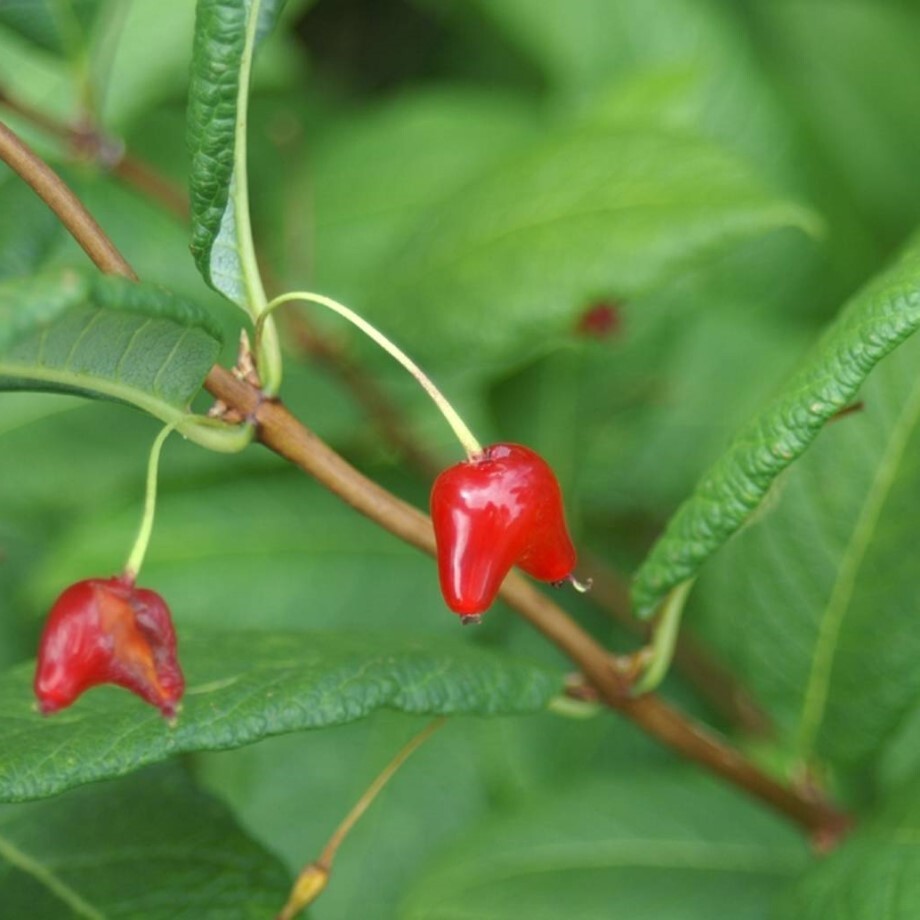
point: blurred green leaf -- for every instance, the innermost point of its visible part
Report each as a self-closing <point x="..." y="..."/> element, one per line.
<point x="585" y="42"/>
<point x="849" y="72"/>
<point x="104" y="337"/>
<point x="874" y="875"/>
<point x="504" y="760"/>
<point x="28" y="228"/>
<point x="817" y="597"/>
<point x="246" y="686"/>
<point x="687" y="64"/>
<point x="151" y="846"/>
<point x="293" y="791"/>
<point x="59" y="26"/>
<point x="659" y="845"/>
<point x="226" y="37"/>
<point x="507" y="264"/>
<point x="876" y="321"/>
<point x="424" y="146"/>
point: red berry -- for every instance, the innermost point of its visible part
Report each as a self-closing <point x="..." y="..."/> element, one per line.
<point x="107" y="631"/>
<point x="600" y="321"/>
<point x="501" y="509"/>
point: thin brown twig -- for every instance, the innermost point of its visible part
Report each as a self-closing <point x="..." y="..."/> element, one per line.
<point x="713" y="682"/>
<point x="284" y="434"/>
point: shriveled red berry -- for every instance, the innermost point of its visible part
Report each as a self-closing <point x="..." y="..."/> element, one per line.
<point x="107" y="631"/>
<point x="501" y="509"/>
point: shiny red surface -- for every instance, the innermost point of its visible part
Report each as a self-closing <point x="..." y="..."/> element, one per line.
<point x="500" y="510"/>
<point x="106" y="631"/>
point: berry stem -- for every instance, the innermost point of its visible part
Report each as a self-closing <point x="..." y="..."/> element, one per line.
<point x="466" y="437"/>
<point x="139" y="550"/>
<point x="315" y="876"/>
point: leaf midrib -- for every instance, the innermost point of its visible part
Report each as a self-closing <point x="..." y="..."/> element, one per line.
<point x="768" y="211"/>
<point x="639" y="854"/>
<point x="166" y="412"/>
<point x="814" y="703"/>
<point x="47" y="879"/>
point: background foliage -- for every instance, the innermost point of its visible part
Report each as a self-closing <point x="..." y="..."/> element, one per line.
<point x="473" y="176"/>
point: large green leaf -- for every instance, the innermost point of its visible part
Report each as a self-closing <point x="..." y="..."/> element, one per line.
<point x="104" y="337"/>
<point x="506" y="265"/>
<point x="876" y="321"/>
<point x="226" y="35"/>
<point x="817" y="599"/>
<point x="505" y="760"/>
<point x="875" y="875"/>
<point x="246" y="686"/>
<point x="424" y="146"/>
<point x="653" y="846"/>
<point x="59" y="26"/>
<point x="151" y="846"/>
<point x="684" y="62"/>
<point x="849" y="71"/>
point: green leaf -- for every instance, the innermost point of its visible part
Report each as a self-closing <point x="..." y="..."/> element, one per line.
<point x="876" y="321"/>
<point x="817" y="598"/>
<point x="386" y="849"/>
<point x="59" y="26"/>
<point x="504" y="760"/>
<point x="509" y="262"/>
<point x="658" y="845"/>
<point x="583" y="43"/>
<point x="226" y="35"/>
<point x="860" y="115"/>
<point x="104" y="337"/>
<point x="242" y="687"/>
<point x="688" y="63"/>
<point x="875" y="875"/>
<point x="28" y="228"/>
<point x="425" y="146"/>
<point x="151" y="846"/>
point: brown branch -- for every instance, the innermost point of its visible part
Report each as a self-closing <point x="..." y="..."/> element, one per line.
<point x="724" y="694"/>
<point x="287" y="436"/>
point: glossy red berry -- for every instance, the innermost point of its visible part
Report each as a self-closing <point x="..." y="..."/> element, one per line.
<point x="501" y="509"/>
<point x="107" y="631"/>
